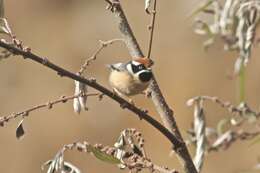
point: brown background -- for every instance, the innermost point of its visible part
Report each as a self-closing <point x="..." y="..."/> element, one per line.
<point x="67" y="32"/>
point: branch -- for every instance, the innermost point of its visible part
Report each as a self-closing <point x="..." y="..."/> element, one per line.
<point x="230" y="137"/>
<point x="160" y="104"/>
<point x="151" y="28"/>
<point x="240" y="109"/>
<point x="92" y="83"/>
<point x="102" y="45"/>
<point x="49" y="105"/>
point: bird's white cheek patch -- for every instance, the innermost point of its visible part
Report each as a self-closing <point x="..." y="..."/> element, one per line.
<point x="129" y="68"/>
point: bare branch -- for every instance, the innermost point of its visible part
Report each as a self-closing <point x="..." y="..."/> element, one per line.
<point x="240" y="109"/>
<point x="230" y="137"/>
<point x="102" y="45"/>
<point x="151" y="29"/>
<point x="49" y="105"/>
<point x="160" y="104"/>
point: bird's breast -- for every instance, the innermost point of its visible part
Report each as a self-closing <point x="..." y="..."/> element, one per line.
<point x="126" y="84"/>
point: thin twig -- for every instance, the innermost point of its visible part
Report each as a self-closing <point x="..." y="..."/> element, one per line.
<point x="151" y="28"/>
<point x="49" y="105"/>
<point x="93" y="83"/>
<point x="230" y="137"/>
<point x="159" y="101"/>
<point x="240" y="109"/>
<point x="102" y="45"/>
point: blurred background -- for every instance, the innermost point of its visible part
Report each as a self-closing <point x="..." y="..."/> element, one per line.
<point x="67" y="32"/>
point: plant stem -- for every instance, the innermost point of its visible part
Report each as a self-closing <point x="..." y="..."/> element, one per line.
<point x="241" y="84"/>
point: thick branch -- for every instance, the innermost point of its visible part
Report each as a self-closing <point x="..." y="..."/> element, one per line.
<point x="92" y="83"/>
<point x="162" y="107"/>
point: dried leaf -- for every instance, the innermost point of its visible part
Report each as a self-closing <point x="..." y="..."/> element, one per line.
<point x="120" y="142"/>
<point x="76" y="105"/>
<point x="4" y="27"/>
<point x="56" y="164"/>
<point x="103" y="156"/>
<point x="224" y="138"/>
<point x="20" y="131"/>
<point x="69" y="168"/>
<point x="200" y="134"/>
<point x="83" y="102"/>
<point x="147" y="5"/>
<point x="79" y="103"/>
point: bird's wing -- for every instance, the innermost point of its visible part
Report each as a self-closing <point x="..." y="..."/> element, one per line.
<point x="117" y="66"/>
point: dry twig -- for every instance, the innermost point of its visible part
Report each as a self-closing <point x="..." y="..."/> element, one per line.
<point x="102" y="45"/>
<point x="49" y="105"/>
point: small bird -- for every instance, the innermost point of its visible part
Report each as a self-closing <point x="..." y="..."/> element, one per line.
<point x="131" y="78"/>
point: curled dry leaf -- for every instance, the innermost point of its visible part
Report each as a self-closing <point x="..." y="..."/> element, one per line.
<point x="200" y="134"/>
<point x="235" y="21"/>
<point x="147" y="5"/>
<point x="79" y="103"/>
<point x="20" y="131"/>
<point x="222" y="139"/>
<point x="59" y="165"/>
<point x="76" y="105"/>
<point x="68" y="167"/>
<point x="4" y="26"/>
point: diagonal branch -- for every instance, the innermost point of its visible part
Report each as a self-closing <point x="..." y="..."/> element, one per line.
<point x="92" y="83"/>
<point x="162" y="107"/>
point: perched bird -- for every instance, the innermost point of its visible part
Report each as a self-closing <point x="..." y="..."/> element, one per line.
<point x="131" y="78"/>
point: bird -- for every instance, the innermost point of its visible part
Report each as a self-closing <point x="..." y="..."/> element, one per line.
<point x="130" y="78"/>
